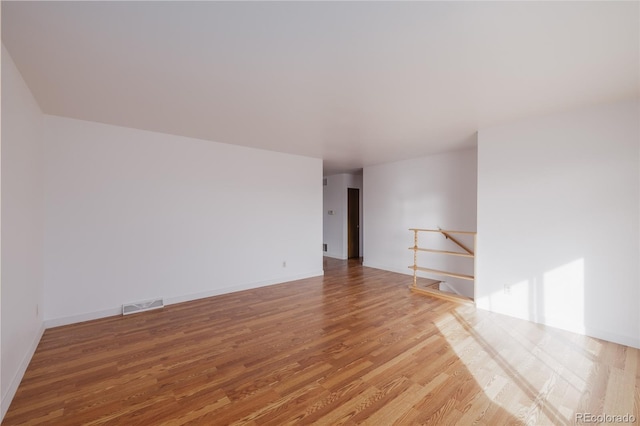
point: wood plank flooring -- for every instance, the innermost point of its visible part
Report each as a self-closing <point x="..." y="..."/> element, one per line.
<point x="355" y="346"/>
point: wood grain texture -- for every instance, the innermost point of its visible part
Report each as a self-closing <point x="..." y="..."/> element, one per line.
<point x="355" y="346"/>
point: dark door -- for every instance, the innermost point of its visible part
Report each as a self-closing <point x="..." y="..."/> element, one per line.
<point x="353" y="223"/>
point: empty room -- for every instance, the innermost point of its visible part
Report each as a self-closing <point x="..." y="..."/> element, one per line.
<point x="320" y="213"/>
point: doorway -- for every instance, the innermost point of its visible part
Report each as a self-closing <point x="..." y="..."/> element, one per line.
<point x="353" y="223"/>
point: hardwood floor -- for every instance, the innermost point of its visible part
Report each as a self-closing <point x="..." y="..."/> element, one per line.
<point x="353" y="347"/>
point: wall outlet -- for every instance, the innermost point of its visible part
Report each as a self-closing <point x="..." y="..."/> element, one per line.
<point x="284" y="263"/>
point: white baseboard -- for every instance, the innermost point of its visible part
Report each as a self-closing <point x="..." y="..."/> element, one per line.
<point x="580" y="329"/>
<point x="232" y="289"/>
<point x="334" y="256"/>
<point x="171" y="300"/>
<point x="631" y="341"/>
<point x="72" y="319"/>
<point x="17" y="378"/>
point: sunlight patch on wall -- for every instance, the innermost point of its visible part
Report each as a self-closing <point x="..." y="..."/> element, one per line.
<point x="554" y="297"/>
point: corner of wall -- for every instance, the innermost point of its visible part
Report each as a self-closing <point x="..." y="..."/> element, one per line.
<point x="22" y="202"/>
<point x="19" y="374"/>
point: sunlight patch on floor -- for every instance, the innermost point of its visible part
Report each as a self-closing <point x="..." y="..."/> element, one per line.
<point x="533" y="384"/>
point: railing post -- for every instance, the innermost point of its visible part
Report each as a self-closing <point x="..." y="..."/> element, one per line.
<point x="475" y="263"/>
<point x="415" y="257"/>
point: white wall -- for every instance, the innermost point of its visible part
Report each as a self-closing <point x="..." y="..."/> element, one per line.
<point x="133" y="215"/>
<point x="426" y="192"/>
<point x="558" y="210"/>
<point x="334" y="215"/>
<point x="335" y="199"/>
<point x="22" y="234"/>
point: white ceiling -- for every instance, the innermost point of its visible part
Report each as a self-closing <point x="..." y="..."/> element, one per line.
<point x="356" y="83"/>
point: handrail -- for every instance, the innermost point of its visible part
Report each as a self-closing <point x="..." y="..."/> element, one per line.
<point x="447" y="234"/>
<point x="443" y="230"/>
<point x="450" y="237"/>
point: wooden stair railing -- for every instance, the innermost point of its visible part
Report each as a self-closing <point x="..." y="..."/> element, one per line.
<point x="448" y="235"/>
<point x="468" y="253"/>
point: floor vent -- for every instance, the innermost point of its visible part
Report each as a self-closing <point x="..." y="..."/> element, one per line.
<point x="132" y="308"/>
